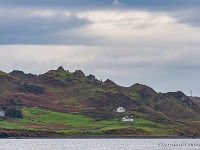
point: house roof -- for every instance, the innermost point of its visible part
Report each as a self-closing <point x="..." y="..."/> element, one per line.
<point x="128" y="117"/>
<point x="121" y="108"/>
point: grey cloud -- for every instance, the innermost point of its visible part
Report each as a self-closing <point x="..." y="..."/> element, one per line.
<point x="26" y="29"/>
<point x="188" y="16"/>
<point x="58" y="3"/>
<point x="19" y="27"/>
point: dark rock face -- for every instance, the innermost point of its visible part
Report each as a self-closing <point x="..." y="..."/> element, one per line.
<point x="17" y="72"/>
<point x="21" y="73"/>
<point x="145" y="92"/>
<point x="177" y="94"/>
<point x="60" y="69"/>
<point x="28" y="88"/>
<point x="108" y="81"/>
<point x="91" y="77"/>
<point x="79" y="73"/>
<point x="182" y="97"/>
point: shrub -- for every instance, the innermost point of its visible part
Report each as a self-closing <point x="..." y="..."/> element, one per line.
<point x="13" y="112"/>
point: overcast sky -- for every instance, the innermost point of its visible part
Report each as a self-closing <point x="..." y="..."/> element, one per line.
<point x="152" y="42"/>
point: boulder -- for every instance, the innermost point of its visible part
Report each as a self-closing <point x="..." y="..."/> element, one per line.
<point x="79" y="73"/>
<point x="108" y="81"/>
<point x="60" y="69"/>
<point x="91" y="77"/>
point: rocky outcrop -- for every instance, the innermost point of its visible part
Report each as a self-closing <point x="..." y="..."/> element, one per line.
<point x="108" y="81"/>
<point x="144" y="91"/>
<point x="79" y="73"/>
<point x="60" y="69"/>
<point x="18" y="73"/>
<point x="180" y="96"/>
<point x="91" y="77"/>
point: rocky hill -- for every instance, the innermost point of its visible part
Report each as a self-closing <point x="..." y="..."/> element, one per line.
<point x="62" y="91"/>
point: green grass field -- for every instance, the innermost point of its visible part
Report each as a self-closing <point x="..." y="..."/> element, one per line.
<point x="73" y="124"/>
<point x="8" y="125"/>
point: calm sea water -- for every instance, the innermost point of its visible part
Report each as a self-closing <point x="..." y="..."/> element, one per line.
<point x="99" y="144"/>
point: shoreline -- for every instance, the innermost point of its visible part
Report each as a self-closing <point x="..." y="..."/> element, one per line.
<point x="107" y="137"/>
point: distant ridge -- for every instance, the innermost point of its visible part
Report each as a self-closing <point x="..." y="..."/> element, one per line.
<point x="74" y="92"/>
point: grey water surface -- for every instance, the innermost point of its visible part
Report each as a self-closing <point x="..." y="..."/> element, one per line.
<point x="99" y="144"/>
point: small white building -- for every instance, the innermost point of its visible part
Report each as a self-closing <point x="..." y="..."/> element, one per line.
<point x="2" y="113"/>
<point x="127" y="118"/>
<point x="121" y="109"/>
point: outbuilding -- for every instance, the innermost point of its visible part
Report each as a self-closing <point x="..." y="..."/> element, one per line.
<point x="127" y="118"/>
<point x="121" y="109"/>
<point x="2" y="113"/>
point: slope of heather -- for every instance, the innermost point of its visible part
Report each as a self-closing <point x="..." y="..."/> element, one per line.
<point x="62" y="91"/>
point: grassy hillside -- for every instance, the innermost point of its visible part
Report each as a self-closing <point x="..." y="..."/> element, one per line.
<point x="59" y="102"/>
<point x="36" y="119"/>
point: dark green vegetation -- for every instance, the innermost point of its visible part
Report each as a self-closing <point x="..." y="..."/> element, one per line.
<point x="13" y="112"/>
<point x="60" y="103"/>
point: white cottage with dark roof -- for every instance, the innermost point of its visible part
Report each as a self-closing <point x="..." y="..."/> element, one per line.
<point x="121" y="109"/>
<point x="127" y="118"/>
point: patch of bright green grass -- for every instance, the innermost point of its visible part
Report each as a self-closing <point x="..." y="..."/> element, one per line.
<point x="107" y="122"/>
<point x="8" y="125"/>
<point x="39" y="115"/>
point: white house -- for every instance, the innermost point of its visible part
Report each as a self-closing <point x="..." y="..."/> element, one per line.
<point x="121" y="109"/>
<point x="2" y="113"/>
<point x="127" y="118"/>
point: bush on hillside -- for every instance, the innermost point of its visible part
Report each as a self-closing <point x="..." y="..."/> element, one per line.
<point x="13" y="112"/>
